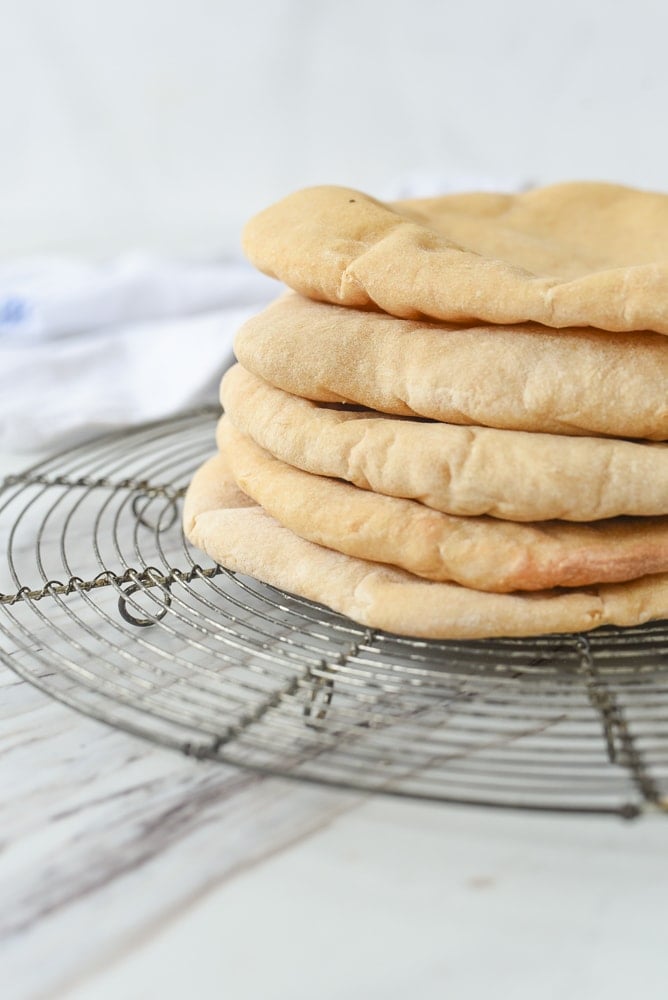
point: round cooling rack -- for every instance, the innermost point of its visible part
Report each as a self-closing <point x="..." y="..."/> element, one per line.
<point x="104" y="606"/>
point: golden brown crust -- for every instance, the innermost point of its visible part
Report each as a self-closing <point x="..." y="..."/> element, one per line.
<point x="580" y="254"/>
<point x="478" y="552"/>
<point x="514" y="475"/>
<point x="247" y="540"/>
<point x="528" y="378"/>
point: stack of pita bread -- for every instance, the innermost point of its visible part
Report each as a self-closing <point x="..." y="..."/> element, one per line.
<point x="452" y="426"/>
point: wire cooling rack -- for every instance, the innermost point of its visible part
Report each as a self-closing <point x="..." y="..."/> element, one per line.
<point x="104" y="606"/>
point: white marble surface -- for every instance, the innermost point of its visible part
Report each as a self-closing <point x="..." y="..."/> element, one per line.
<point x="128" y="871"/>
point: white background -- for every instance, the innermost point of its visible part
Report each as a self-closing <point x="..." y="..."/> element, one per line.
<point x="164" y="124"/>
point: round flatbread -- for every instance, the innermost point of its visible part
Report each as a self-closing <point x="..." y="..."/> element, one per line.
<point x="245" y="539"/>
<point x="530" y="378"/>
<point x="513" y="475"/>
<point x="582" y="254"/>
<point x="478" y="552"/>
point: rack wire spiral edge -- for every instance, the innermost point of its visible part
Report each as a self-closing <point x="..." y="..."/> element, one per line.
<point x="305" y="693"/>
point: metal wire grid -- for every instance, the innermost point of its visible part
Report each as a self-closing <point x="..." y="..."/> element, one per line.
<point x="105" y="606"/>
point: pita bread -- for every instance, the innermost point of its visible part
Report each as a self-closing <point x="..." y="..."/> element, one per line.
<point x="530" y="378"/>
<point x="580" y="254"/>
<point x="513" y="475"/>
<point x="247" y="540"/>
<point x="478" y="552"/>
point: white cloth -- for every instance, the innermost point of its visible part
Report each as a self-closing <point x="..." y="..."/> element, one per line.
<point x="86" y="348"/>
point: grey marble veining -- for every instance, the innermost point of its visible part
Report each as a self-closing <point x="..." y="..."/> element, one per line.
<point x="103" y="836"/>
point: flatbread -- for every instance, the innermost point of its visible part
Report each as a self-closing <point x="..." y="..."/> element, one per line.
<point x="580" y="254"/>
<point x="247" y="540"/>
<point x="529" y="378"/>
<point x="478" y="552"/>
<point x="513" y="475"/>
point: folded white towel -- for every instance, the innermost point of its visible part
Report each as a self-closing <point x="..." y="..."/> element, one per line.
<point x="87" y="348"/>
